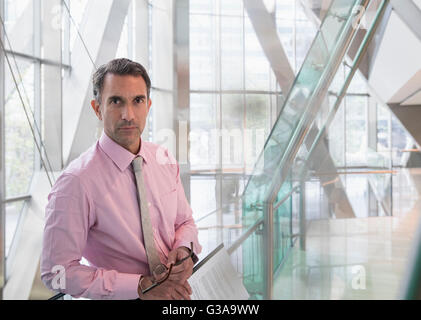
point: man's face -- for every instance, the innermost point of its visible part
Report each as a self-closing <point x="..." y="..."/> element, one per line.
<point x="124" y="108"/>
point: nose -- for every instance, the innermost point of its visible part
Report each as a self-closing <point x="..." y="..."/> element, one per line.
<point x="127" y="113"/>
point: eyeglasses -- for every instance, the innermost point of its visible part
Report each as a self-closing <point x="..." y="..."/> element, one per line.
<point x="162" y="273"/>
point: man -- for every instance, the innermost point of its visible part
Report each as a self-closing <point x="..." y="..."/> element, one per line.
<point x="96" y="209"/>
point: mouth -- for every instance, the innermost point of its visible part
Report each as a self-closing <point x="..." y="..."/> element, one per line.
<point x="127" y="128"/>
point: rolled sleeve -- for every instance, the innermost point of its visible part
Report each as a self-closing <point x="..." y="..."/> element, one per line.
<point x="69" y="216"/>
<point x="126" y="286"/>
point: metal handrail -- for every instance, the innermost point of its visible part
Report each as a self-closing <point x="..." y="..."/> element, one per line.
<point x="285" y="198"/>
<point x="219" y="209"/>
<point x="18" y="198"/>
<point x="237" y="243"/>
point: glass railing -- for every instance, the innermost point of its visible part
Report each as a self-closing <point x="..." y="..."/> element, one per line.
<point x="292" y="153"/>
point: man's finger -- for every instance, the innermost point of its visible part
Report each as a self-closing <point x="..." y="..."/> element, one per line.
<point x="183" y="292"/>
<point x="175" y="295"/>
<point x="172" y="257"/>
<point x="188" y="287"/>
<point x="178" y="269"/>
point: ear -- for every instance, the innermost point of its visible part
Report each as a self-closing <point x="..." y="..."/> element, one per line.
<point x="95" y="105"/>
<point x="149" y="104"/>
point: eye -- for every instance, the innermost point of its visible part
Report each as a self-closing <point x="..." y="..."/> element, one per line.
<point x="139" y="99"/>
<point x="115" y="100"/>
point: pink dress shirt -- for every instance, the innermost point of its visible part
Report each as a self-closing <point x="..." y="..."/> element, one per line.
<point x="93" y="212"/>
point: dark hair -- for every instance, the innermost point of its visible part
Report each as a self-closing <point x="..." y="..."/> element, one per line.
<point x="120" y="67"/>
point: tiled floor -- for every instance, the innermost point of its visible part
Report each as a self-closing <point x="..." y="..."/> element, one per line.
<point x="363" y="258"/>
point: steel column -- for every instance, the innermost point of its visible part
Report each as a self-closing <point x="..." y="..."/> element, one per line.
<point x="2" y="163"/>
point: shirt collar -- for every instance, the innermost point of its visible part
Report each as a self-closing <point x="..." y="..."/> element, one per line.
<point x="120" y="156"/>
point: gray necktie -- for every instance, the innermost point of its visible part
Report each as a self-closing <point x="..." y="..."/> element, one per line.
<point x="148" y="237"/>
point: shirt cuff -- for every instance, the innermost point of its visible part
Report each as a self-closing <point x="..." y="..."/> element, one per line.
<point x="126" y="286"/>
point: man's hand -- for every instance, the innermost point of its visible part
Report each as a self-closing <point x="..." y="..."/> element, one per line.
<point x="168" y="290"/>
<point x="180" y="273"/>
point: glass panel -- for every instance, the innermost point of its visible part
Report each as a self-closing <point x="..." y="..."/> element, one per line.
<point x="401" y="140"/>
<point x="19" y="21"/>
<point x="286" y="35"/>
<point x="51" y="24"/>
<point x="162" y="116"/>
<point x="253" y="266"/>
<point x="232" y="7"/>
<point x="204" y="129"/>
<point x="232" y="53"/>
<point x="383" y="128"/>
<point x="358" y="84"/>
<point x="232" y="132"/>
<point x="203" y="52"/>
<point x="285" y="9"/>
<point x="256" y="64"/>
<point x="202" y="192"/>
<point x="357" y="191"/>
<point x="257" y="127"/>
<point x="13" y="212"/>
<point x="202" y="6"/>
<point x="123" y="45"/>
<point x="337" y="136"/>
<point x="356" y="131"/>
<point x="162" y="44"/>
<point x="231" y="190"/>
<point x="282" y="226"/>
<point x="19" y="145"/>
<point x="305" y="33"/>
<point x="299" y="106"/>
<point x="77" y="10"/>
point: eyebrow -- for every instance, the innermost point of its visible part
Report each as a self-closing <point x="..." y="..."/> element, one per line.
<point x="114" y="97"/>
<point x="121" y="98"/>
<point x="140" y="96"/>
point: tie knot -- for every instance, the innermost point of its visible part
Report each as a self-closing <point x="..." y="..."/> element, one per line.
<point x="137" y="163"/>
